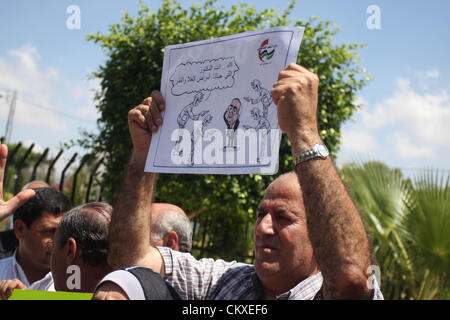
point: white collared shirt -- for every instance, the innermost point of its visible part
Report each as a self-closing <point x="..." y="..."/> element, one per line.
<point x="11" y="269"/>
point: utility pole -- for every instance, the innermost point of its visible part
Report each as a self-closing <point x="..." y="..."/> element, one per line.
<point x="9" y="124"/>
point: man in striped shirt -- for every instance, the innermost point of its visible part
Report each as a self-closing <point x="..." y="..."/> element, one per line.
<point x="310" y="242"/>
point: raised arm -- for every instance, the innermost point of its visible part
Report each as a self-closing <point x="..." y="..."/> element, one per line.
<point x="129" y="235"/>
<point x="334" y="225"/>
<point x="7" y="208"/>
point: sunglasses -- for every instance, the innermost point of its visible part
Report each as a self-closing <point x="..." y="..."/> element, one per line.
<point x="232" y="108"/>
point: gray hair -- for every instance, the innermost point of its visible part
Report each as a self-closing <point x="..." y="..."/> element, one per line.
<point x="174" y="221"/>
<point x="88" y="224"/>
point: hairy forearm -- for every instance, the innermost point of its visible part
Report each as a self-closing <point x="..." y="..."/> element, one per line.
<point x="335" y="229"/>
<point x="129" y="235"/>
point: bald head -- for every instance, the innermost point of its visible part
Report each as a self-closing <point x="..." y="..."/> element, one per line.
<point x="286" y="183"/>
<point x="170" y="227"/>
<point x="158" y="208"/>
<point x="36" y="184"/>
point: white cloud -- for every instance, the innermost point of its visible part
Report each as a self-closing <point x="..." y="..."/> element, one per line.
<point x="45" y="98"/>
<point x="423" y="117"/>
<point x="88" y="92"/>
<point x="36" y="148"/>
<point x="406" y="147"/>
<point x="359" y="141"/>
<point x="424" y="79"/>
<point x="411" y="124"/>
<point x="434" y="74"/>
<point x="22" y="71"/>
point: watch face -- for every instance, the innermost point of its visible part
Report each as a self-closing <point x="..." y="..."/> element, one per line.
<point x="322" y="150"/>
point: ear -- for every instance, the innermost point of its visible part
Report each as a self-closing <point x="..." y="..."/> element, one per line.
<point x="20" y="229"/>
<point x="70" y="251"/>
<point x="171" y="240"/>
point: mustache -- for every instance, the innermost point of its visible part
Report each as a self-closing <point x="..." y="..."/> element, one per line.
<point x="266" y="244"/>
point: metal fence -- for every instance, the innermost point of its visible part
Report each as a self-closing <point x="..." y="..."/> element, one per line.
<point x="24" y="171"/>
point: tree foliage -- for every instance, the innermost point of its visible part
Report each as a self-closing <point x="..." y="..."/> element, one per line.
<point x="410" y="223"/>
<point x="134" y="49"/>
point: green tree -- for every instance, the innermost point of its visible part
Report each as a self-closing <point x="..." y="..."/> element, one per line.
<point x="409" y="222"/>
<point x="134" y="49"/>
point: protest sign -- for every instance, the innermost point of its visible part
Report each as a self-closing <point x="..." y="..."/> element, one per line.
<point x="220" y="117"/>
<point x="19" y="294"/>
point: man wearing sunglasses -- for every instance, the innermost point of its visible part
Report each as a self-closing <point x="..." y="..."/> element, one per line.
<point x="231" y="118"/>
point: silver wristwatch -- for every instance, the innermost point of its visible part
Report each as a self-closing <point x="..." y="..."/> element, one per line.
<point x="318" y="151"/>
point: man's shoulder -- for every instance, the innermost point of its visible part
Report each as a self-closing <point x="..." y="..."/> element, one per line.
<point x="6" y="261"/>
<point x="207" y="278"/>
<point x="237" y="282"/>
<point x="6" y="268"/>
<point x="168" y="253"/>
<point x="8" y="243"/>
<point x="218" y="267"/>
<point x="238" y="273"/>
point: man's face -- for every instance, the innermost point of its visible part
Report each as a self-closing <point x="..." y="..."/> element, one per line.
<point x="58" y="264"/>
<point x="283" y="251"/>
<point x="37" y="238"/>
<point x="233" y="111"/>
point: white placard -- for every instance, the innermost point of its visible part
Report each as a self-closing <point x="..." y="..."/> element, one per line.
<point x="220" y="117"/>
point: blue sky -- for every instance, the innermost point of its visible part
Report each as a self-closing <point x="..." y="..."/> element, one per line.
<point x="404" y="121"/>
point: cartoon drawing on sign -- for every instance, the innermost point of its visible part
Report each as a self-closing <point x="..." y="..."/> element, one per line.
<point x="196" y="77"/>
<point x="263" y="128"/>
<point x="188" y="113"/>
<point x="231" y="118"/>
<point x="198" y="134"/>
<point x="263" y="96"/>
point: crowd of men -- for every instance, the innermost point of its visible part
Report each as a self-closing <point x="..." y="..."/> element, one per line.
<point x="309" y="239"/>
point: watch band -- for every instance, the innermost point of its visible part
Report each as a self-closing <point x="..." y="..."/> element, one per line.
<point x="319" y="150"/>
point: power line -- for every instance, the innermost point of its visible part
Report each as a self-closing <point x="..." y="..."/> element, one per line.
<point x="65" y="114"/>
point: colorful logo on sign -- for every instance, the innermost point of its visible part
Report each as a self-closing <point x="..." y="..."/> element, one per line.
<point x="266" y="51"/>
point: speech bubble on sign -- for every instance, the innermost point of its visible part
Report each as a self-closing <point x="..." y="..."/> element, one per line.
<point x="206" y="75"/>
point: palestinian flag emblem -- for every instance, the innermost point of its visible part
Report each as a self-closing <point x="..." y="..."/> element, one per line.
<point x="266" y="51"/>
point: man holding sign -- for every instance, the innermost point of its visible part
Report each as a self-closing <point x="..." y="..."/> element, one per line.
<point x="310" y="242"/>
